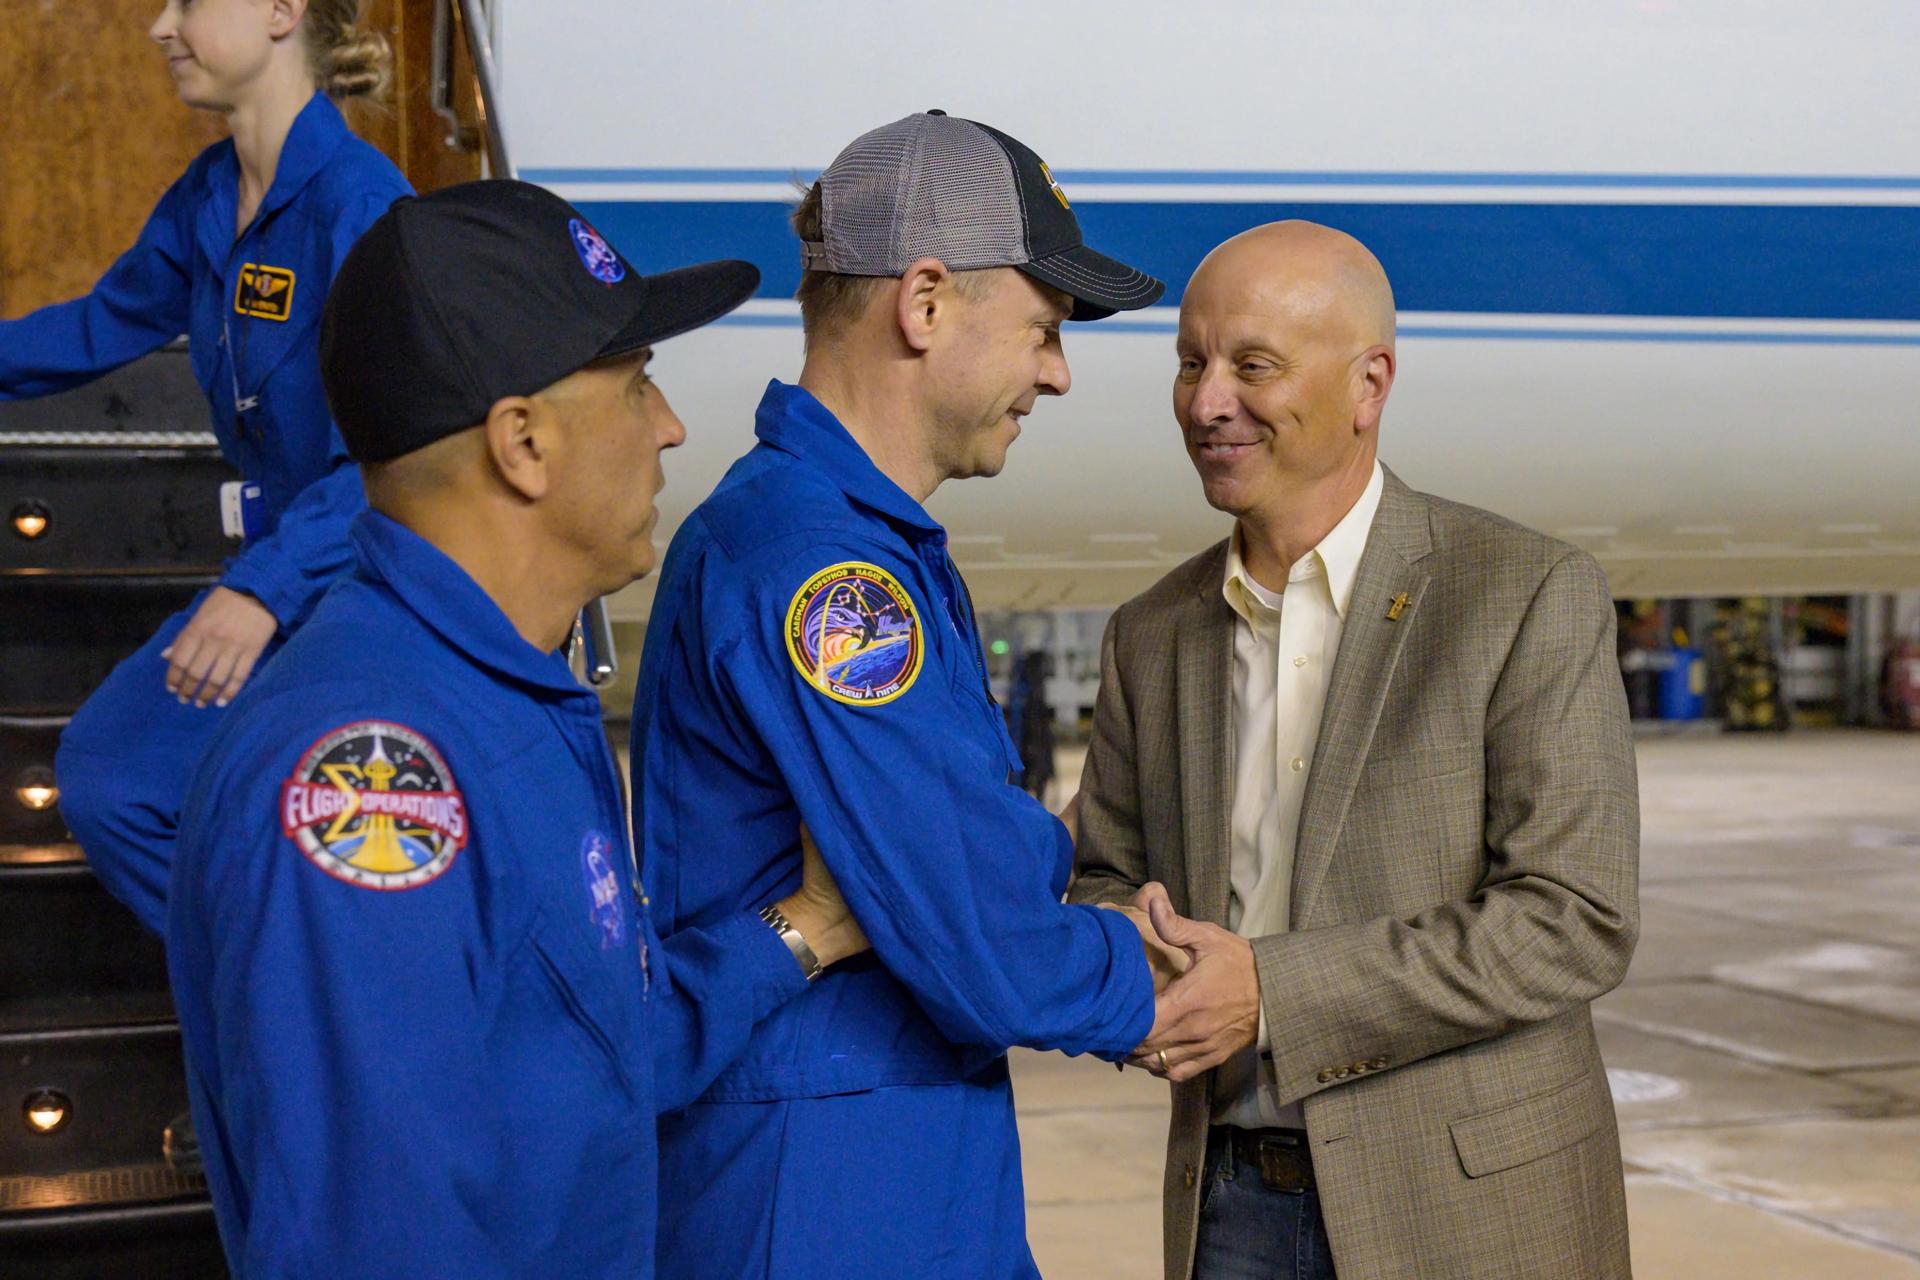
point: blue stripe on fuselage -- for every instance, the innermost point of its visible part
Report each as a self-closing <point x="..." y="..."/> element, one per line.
<point x="1812" y="262"/>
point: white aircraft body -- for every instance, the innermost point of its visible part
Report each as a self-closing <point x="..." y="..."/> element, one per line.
<point x="1658" y="261"/>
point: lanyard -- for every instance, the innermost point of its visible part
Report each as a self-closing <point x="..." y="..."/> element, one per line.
<point x="241" y="404"/>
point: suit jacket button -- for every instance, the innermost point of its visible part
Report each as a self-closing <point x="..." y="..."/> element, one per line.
<point x="1326" y="1074"/>
<point x="1378" y="1064"/>
<point x="1188" y="1175"/>
<point x="1359" y="1068"/>
<point x="1342" y="1073"/>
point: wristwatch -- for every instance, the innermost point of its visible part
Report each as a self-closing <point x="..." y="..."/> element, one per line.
<point x="776" y="920"/>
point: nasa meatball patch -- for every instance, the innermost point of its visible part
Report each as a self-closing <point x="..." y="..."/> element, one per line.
<point x="853" y="633"/>
<point x="606" y="907"/>
<point x="374" y="804"/>
<point x="596" y="255"/>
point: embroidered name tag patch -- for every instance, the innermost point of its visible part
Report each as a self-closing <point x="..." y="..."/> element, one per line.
<point x="853" y="633"/>
<point x="372" y="803"/>
<point x="265" y="293"/>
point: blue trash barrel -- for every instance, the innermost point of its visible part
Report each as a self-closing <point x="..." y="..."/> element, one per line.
<point x="1683" y="683"/>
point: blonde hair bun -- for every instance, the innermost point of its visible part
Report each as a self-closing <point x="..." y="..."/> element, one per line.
<point x="360" y="66"/>
<point x="348" y="61"/>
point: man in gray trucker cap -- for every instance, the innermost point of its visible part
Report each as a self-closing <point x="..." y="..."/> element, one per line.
<point x="813" y="655"/>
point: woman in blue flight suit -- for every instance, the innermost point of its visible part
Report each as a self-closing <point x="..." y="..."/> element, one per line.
<point x="238" y="255"/>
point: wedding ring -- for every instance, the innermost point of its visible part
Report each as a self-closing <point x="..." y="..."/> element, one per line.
<point x="1163" y="1060"/>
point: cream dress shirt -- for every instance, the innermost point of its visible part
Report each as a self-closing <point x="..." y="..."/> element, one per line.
<point x="1282" y="665"/>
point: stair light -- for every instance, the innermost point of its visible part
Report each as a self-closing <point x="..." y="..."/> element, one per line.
<point x="47" y="1110"/>
<point x="36" y="789"/>
<point x="30" y="520"/>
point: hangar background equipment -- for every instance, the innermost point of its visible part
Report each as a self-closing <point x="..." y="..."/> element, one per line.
<point x="110" y="497"/>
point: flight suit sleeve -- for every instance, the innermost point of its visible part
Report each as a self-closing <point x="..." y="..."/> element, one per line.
<point x="721" y="981"/>
<point x="289" y="569"/>
<point x="955" y="874"/>
<point x="348" y="1017"/>
<point x="141" y="303"/>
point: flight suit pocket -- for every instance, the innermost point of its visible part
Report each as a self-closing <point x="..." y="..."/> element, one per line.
<point x="1512" y="1136"/>
<point x="583" y="998"/>
<point x="969" y="689"/>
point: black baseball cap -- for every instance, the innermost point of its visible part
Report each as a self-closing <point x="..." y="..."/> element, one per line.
<point x="451" y="301"/>
<point x="932" y="185"/>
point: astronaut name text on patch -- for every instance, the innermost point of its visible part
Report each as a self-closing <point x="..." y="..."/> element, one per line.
<point x="852" y="631"/>
<point x="265" y="293"/>
<point x="374" y="804"/>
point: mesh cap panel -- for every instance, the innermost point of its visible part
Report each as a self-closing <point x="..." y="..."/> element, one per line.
<point x="924" y="187"/>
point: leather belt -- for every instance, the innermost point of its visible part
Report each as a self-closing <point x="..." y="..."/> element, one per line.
<point x="1282" y="1155"/>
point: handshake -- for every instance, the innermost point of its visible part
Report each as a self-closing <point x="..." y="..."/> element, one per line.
<point x="1206" y="1004"/>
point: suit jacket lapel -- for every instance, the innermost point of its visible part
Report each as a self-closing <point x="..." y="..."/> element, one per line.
<point x="1370" y="644"/>
<point x="1205" y="663"/>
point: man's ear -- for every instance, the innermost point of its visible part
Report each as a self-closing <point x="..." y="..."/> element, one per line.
<point x="1375" y="374"/>
<point x="285" y="17"/>
<point x="520" y="439"/>
<point x="921" y="304"/>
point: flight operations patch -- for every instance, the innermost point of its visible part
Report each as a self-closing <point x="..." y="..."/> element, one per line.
<point x="374" y="804"/>
<point x="852" y="631"/>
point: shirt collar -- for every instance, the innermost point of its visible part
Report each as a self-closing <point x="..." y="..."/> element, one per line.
<point x="316" y="134"/>
<point x="429" y="584"/>
<point x="792" y="421"/>
<point x="1337" y="556"/>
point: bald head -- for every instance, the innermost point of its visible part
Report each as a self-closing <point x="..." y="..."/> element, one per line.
<point x="1286" y="359"/>
<point x="1319" y="277"/>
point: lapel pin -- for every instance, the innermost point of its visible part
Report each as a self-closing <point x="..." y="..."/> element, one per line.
<point x="1394" y="609"/>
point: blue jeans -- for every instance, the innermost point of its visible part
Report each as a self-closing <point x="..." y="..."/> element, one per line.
<point x="1251" y="1232"/>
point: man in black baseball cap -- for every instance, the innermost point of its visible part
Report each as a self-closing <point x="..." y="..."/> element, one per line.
<point x="813" y="655"/>
<point x="429" y="1019"/>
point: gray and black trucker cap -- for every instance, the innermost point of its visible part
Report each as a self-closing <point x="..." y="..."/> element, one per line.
<point x="936" y="186"/>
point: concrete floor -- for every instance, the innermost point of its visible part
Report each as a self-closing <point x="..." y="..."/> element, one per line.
<point x="1764" y="1051"/>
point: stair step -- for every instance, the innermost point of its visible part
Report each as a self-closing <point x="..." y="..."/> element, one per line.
<point x="64" y="635"/>
<point x="170" y="1239"/>
<point x="25" y="1015"/>
<point x="59" y="853"/>
<point x="121" y="1087"/>
<point x="70" y="955"/>
<point x="99" y="1188"/>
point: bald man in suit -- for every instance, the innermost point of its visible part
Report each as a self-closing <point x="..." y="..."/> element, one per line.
<point x="1375" y="744"/>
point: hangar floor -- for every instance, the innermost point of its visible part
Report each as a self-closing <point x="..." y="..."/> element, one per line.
<point x="1764" y="1050"/>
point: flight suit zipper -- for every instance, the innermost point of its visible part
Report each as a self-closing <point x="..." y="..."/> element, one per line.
<point x="243" y="404"/>
<point x="966" y="623"/>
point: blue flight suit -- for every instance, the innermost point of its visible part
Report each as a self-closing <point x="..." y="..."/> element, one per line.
<point x="812" y="655"/>
<point x="251" y="309"/>
<point x="427" y="1019"/>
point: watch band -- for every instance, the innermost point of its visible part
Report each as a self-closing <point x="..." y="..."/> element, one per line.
<point x="777" y="921"/>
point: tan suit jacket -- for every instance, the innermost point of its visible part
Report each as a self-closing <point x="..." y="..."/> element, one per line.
<point x="1465" y="883"/>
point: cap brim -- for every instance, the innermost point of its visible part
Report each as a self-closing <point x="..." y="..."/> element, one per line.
<point x="682" y="300"/>
<point x="1100" y="285"/>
